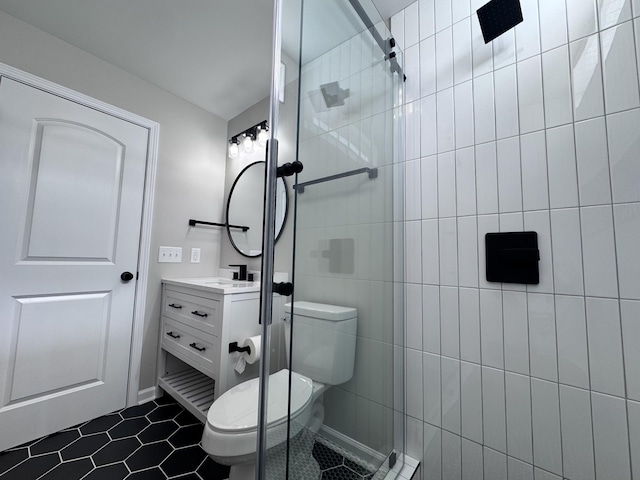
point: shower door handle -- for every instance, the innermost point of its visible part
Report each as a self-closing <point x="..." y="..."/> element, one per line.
<point x="285" y="289"/>
<point x="289" y="169"/>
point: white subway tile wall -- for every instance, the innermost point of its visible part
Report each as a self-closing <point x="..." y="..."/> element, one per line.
<point x="537" y="130"/>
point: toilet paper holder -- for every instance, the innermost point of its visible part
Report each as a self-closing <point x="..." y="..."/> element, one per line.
<point x="233" y="347"/>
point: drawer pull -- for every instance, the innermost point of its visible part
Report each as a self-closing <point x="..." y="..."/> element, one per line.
<point x="196" y="312"/>
<point x="173" y="335"/>
<point x="173" y="305"/>
<point x="195" y="346"/>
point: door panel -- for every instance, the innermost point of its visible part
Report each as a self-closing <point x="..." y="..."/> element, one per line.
<point x="72" y="182"/>
<point x="79" y="212"/>
<point x="77" y="344"/>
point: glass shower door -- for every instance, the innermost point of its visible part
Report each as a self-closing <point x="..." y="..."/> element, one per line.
<point x="336" y="111"/>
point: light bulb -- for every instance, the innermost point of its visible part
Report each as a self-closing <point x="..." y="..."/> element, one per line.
<point x="263" y="136"/>
<point x="247" y="144"/>
<point x="234" y="150"/>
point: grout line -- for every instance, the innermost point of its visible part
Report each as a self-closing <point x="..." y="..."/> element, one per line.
<point x="624" y="363"/>
<point x="548" y="216"/>
<point x="615" y="244"/>
<point x="584" y="288"/>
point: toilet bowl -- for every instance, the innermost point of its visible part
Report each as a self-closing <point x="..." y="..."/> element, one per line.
<point x="323" y="355"/>
<point x="232" y="421"/>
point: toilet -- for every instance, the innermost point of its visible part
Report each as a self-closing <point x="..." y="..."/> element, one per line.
<point x="324" y="348"/>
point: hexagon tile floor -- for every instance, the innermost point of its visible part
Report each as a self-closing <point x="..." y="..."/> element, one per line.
<point x="158" y="440"/>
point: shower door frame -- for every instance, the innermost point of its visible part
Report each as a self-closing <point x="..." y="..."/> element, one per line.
<point x="268" y="240"/>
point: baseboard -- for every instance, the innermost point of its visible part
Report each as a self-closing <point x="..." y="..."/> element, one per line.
<point x="367" y="454"/>
<point x="147" y="395"/>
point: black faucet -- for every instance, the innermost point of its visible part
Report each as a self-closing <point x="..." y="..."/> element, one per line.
<point x="241" y="274"/>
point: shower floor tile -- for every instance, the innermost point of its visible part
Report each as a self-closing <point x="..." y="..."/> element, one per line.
<point x="334" y="466"/>
<point x="158" y="440"/>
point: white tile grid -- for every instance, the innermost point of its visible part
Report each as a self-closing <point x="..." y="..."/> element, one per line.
<point x="572" y="29"/>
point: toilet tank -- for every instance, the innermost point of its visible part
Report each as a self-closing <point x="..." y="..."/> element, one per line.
<point x="324" y="341"/>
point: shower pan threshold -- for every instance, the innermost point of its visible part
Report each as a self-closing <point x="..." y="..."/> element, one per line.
<point x="404" y="472"/>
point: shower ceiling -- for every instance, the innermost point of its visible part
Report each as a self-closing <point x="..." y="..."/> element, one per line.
<point x="213" y="53"/>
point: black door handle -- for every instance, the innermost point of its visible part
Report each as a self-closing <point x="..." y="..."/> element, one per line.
<point x="126" y="276"/>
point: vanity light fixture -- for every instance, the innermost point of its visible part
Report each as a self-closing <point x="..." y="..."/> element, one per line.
<point x="263" y="136"/>
<point x="247" y="142"/>
<point x="247" y="139"/>
<point x="234" y="149"/>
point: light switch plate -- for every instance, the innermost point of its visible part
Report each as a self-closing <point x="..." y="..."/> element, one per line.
<point x="195" y="255"/>
<point x="170" y="255"/>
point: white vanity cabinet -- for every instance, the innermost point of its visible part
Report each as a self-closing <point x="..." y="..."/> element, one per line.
<point x="200" y="317"/>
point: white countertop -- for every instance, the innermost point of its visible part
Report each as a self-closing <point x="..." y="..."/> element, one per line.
<point x="219" y="285"/>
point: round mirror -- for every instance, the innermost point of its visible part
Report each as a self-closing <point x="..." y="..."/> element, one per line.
<point x="245" y="208"/>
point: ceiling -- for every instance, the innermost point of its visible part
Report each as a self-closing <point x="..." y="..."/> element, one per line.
<point x="213" y="53"/>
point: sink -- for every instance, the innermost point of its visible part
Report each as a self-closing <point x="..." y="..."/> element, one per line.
<point x="220" y="281"/>
<point x="217" y="284"/>
<point x="224" y="282"/>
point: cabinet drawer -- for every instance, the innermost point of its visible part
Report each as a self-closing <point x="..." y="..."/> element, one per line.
<point x="188" y="342"/>
<point x="201" y="313"/>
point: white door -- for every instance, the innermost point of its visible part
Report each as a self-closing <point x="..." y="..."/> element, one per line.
<point x="71" y="190"/>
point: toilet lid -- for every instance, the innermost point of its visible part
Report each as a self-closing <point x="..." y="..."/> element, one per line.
<point x="237" y="409"/>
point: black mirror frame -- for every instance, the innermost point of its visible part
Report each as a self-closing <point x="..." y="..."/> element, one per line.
<point x="284" y="219"/>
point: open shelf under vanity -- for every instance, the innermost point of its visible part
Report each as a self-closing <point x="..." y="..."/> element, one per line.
<point x="191" y="388"/>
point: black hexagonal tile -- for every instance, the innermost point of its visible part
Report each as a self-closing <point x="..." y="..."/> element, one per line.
<point x="149" y="456"/>
<point x="183" y="461"/>
<point x="186" y="418"/>
<point x="158" y="431"/>
<point x="138" y="410"/>
<point x="116" y="451"/>
<point x="187" y="436"/>
<point x="12" y="458"/>
<point x="117" y="471"/>
<point x="165" y="399"/>
<point x="192" y="476"/>
<point x="75" y="427"/>
<point x="85" y="446"/>
<point x="54" y="442"/>
<point x="128" y="428"/>
<point x="210" y="470"/>
<point x="74" y="470"/>
<point x="340" y="473"/>
<point x="33" y="468"/>
<point x="151" y="474"/>
<point x="100" y="424"/>
<point x="24" y="445"/>
<point x="326" y="457"/>
<point x="165" y="412"/>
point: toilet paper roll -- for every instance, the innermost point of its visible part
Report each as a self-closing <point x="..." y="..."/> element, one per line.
<point x="255" y="344"/>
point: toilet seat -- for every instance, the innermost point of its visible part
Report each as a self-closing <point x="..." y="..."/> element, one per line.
<point x="236" y="411"/>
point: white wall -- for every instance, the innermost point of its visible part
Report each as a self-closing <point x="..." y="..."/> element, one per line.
<point x="287" y="137"/>
<point x="535" y="131"/>
<point x="191" y="161"/>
